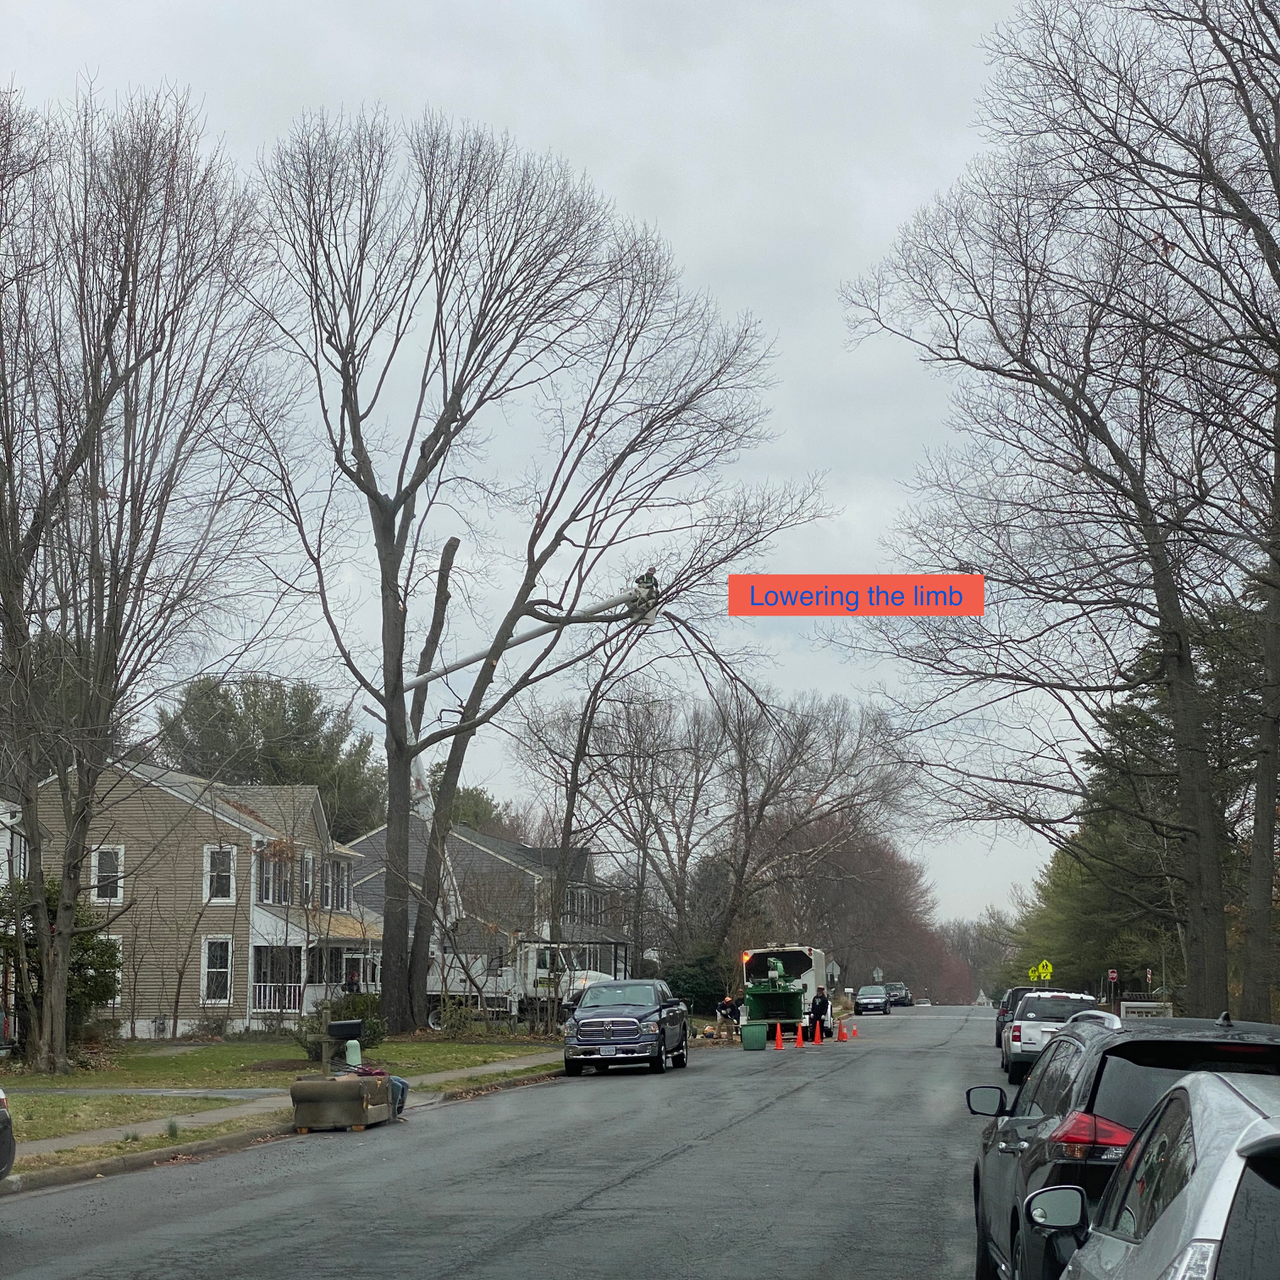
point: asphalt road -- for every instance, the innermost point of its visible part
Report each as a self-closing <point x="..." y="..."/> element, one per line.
<point x="829" y="1161"/>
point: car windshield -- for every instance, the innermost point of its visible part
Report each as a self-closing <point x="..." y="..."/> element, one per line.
<point x="1128" y="1087"/>
<point x="871" y="991"/>
<point x="1041" y="1010"/>
<point x="618" y="993"/>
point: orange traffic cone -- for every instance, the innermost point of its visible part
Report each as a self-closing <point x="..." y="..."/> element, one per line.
<point x="817" y="1032"/>
<point x="777" y="1039"/>
<point x="799" y="1036"/>
<point x="853" y="1030"/>
<point x="842" y="1033"/>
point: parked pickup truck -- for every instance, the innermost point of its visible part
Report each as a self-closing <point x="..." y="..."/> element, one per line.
<point x="626" y="1023"/>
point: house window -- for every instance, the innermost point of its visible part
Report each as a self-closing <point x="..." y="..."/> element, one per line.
<point x="324" y="964"/>
<point x="13" y="861"/>
<point x="341" y="885"/>
<point x="216" y="981"/>
<point x="266" y="877"/>
<point x="326" y="883"/>
<point x="220" y="873"/>
<point x="275" y="879"/>
<point x="108" y="868"/>
<point x="308" y="878"/>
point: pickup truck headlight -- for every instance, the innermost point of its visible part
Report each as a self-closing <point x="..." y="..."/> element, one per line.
<point x="649" y="1028"/>
<point x="570" y="1030"/>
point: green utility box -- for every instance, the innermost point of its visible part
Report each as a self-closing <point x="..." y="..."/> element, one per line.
<point x="755" y="1035"/>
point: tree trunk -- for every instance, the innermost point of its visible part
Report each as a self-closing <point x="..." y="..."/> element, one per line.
<point x="429" y="903"/>
<point x="1259" y="946"/>
<point x="396" y="1008"/>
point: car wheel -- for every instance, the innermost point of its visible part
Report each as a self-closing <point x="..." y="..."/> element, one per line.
<point x="1019" y="1258"/>
<point x="435" y="1021"/>
<point x="1000" y="1042"/>
<point x="659" y="1064"/>
<point x="888" y="1009"/>
<point x="1017" y="1072"/>
<point x="572" y="1067"/>
<point x="681" y="1056"/>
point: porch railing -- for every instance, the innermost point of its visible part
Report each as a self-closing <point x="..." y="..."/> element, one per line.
<point x="277" y="997"/>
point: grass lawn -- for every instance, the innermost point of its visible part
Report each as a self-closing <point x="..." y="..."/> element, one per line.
<point x="50" y="1115"/>
<point x="82" y="1155"/>
<point x="148" y="1065"/>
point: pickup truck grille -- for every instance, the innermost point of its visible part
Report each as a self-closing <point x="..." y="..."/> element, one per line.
<point x="608" y="1031"/>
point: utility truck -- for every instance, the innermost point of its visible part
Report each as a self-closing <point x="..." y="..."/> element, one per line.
<point x="522" y="989"/>
<point x="779" y="984"/>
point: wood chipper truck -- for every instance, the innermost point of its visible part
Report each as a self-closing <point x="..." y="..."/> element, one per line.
<point x="779" y="984"/>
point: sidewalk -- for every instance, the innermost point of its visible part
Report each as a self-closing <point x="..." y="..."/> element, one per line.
<point x="264" y="1103"/>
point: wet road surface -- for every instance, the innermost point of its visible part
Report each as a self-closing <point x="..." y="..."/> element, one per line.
<point x="831" y="1161"/>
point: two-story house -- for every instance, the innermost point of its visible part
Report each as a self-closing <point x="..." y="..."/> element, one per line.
<point x="491" y="938"/>
<point x="232" y="905"/>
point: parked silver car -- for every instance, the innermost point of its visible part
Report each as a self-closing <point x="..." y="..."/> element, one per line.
<point x="1197" y="1194"/>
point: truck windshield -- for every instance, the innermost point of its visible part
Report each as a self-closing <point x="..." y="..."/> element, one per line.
<point x="621" y="993"/>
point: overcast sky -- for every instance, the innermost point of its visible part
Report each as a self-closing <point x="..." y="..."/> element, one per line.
<point x="776" y="146"/>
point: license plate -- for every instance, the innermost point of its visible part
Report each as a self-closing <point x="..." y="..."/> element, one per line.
<point x="608" y="1051"/>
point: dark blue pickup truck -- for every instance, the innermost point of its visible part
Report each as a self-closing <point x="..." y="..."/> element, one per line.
<point x="625" y="1023"/>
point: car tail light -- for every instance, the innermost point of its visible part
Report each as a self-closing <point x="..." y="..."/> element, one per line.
<point x="1016" y="1033"/>
<point x="1081" y="1135"/>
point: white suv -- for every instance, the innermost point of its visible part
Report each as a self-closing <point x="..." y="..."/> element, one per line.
<point x="1037" y="1017"/>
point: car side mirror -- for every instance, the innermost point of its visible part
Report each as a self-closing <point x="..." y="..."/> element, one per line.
<point x="987" y="1100"/>
<point x="1058" y="1210"/>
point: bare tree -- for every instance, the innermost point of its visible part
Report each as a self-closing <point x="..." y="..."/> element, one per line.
<point x="444" y="281"/>
<point x="1167" y="109"/>
<point x="1080" y="494"/>
<point x="119" y="557"/>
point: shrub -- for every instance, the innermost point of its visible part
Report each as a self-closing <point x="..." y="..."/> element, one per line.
<point x="366" y="1006"/>
<point x="698" y="980"/>
<point x="456" y="1017"/>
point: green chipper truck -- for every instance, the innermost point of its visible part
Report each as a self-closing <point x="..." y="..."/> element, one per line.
<point x="778" y="986"/>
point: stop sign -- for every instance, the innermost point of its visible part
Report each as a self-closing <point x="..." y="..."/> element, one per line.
<point x="1112" y="974"/>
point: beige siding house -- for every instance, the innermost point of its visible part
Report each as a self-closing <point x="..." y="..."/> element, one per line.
<point x="232" y="905"/>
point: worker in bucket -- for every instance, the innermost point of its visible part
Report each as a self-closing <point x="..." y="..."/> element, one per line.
<point x="818" y="1010"/>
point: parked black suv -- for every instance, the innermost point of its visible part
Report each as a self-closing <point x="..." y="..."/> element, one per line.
<point x="1088" y="1092"/>
<point x="899" y="994"/>
<point x="626" y="1022"/>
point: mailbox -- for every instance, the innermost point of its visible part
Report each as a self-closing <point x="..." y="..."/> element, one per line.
<point x="348" y="1029"/>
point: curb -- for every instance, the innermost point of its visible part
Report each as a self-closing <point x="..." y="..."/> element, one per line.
<point x="38" y="1179"/>
<point x="476" y="1091"/>
<point x="68" y="1175"/>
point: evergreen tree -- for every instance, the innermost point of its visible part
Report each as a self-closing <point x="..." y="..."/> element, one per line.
<point x="267" y="732"/>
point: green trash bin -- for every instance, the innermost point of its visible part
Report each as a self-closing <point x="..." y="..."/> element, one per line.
<point x="755" y="1035"/>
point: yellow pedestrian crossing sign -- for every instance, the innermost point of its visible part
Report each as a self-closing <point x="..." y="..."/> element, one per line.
<point x="1042" y="971"/>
